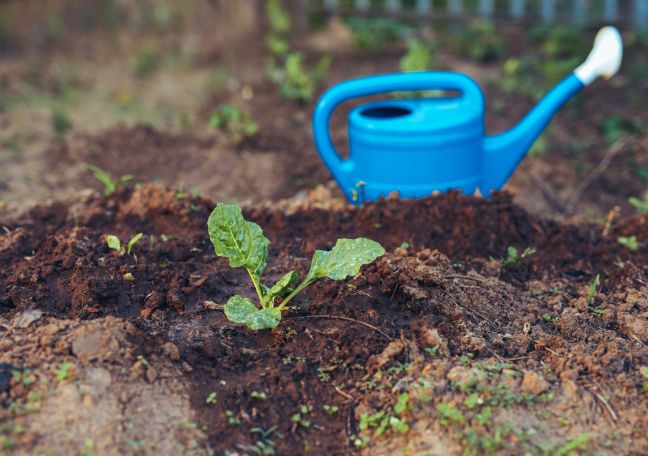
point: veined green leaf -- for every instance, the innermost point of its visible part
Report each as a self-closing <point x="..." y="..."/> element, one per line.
<point x="267" y="318"/>
<point x="239" y="309"/>
<point x="240" y="241"/>
<point x="344" y="260"/>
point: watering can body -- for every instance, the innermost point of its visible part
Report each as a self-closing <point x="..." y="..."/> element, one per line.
<point x="421" y="145"/>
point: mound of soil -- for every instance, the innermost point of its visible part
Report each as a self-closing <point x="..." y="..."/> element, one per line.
<point x="438" y="346"/>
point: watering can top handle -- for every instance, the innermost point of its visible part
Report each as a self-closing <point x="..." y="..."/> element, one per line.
<point x="372" y="85"/>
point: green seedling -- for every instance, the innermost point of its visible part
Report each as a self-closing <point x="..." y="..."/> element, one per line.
<point x="110" y="184"/>
<point x="244" y="245"/>
<point x="419" y="57"/>
<point x="641" y="205"/>
<point x="514" y="256"/>
<point x="211" y="398"/>
<point x="232" y="419"/>
<point x="295" y="80"/>
<point x="114" y="243"/>
<point x="300" y="417"/>
<point x="629" y="242"/>
<point x="279" y="21"/>
<point x="61" y="121"/>
<point x="572" y="446"/>
<point x="231" y="119"/>
<point x="63" y="371"/>
<point x="277" y="16"/>
<point x="449" y="415"/>
<point x="593" y="286"/>
<point x="259" y="395"/>
<point x="330" y="409"/>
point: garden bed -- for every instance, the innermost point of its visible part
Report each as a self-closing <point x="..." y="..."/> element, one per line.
<point x="449" y="335"/>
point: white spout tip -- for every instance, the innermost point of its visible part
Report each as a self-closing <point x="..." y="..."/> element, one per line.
<point x="605" y="57"/>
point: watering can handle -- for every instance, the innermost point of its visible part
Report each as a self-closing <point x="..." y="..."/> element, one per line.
<point x="341" y="169"/>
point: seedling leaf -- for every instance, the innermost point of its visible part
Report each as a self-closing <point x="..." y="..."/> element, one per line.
<point x="134" y="240"/>
<point x="282" y="287"/>
<point x="239" y="309"/>
<point x="344" y="260"/>
<point x="113" y="242"/>
<point x="267" y="318"/>
<point x="240" y="241"/>
<point x="242" y="310"/>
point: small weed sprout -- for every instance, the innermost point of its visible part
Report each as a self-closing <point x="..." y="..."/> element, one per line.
<point x="419" y="57"/>
<point x="629" y="242"/>
<point x="514" y="256"/>
<point x="285" y="68"/>
<point x="295" y="80"/>
<point x="115" y="244"/>
<point x="110" y="184"/>
<point x="591" y="290"/>
<point x="641" y="205"/>
<point x="61" y="121"/>
<point x="63" y="371"/>
<point x="232" y="419"/>
<point x="231" y="119"/>
<point x="244" y="245"/>
<point x="300" y="417"/>
<point x="330" y="409"/>
<point x="211" y="398"/>
<point x="259" y="395"/>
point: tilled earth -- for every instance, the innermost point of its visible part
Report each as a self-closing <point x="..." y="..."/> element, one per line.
<point x="439" y="347"/>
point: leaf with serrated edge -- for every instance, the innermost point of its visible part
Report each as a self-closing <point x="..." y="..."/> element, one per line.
<point x="282" y="286"/>
<point x="344" y="260"/>
<point x="267" y="318"/>
<point x="239" y="309"/>
<point x="240" y="241"/>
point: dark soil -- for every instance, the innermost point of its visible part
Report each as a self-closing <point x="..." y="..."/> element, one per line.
<point x="353" y="345"/>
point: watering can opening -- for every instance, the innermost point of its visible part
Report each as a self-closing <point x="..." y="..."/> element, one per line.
<point x="386" y="112"/>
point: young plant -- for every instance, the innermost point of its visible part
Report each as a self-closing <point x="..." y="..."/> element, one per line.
<point x="61" y="121"/>
<point x="114" y="243"/>
<point x="295" y="80"/>
<point x="231" y="119"/>
<point x="110" y="184"/>
<point x="629" y="242"/>
<point x="419" y="57"/>
<point x="244" y="245"/>
<point x="514" y="256"/>
<point x="641" y="205"/>
<point x="591" y="290"/>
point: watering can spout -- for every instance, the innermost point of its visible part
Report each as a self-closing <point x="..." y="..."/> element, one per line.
<point x="504" y="151"/>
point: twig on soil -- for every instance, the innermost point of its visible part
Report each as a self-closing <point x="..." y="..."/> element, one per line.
<point x="575" y="196"/>
<point x="464" y="277"/>
<point x="343" y="394"/>
<point x="352" y="320"/>
<point x="607" y="407"/>
<point x="611" y="215"/>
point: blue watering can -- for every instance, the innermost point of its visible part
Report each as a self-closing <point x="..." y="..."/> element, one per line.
<point x="417" y="146"/>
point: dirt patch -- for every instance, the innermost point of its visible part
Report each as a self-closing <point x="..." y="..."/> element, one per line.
<point x="442" y="320"/>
